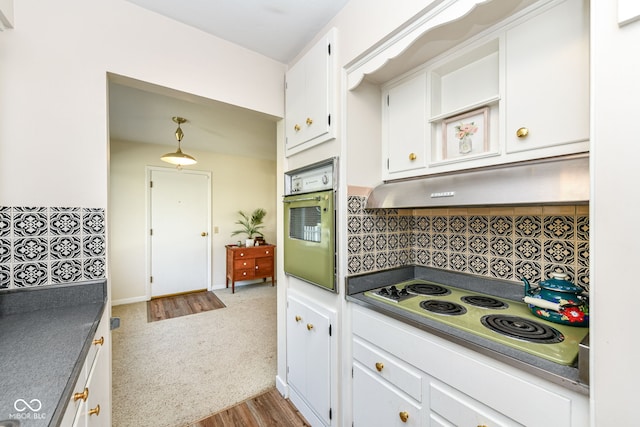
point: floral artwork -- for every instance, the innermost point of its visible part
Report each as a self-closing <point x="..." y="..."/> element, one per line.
<point x="466" y="134"/>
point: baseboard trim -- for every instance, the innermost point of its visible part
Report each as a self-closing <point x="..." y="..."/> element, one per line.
<point x="282" y="387"/>
<point x="124" y="301"/>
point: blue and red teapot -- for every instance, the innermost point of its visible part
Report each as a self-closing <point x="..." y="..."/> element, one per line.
<point x="558" y="300"/>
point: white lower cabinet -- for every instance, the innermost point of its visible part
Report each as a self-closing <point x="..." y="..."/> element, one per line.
<point x="309" y="358"/>
<point x="403" y="376"/>
<point x="90" y="403"/>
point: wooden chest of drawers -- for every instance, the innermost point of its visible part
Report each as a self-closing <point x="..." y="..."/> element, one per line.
<point x="248" y="263"/>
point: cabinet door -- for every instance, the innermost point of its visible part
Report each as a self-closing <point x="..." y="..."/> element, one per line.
<point x="376" y="403"/>
<point x="309" y="356"/>
<point x="309" y="97"/>
<point x="547" y="79"/>
<point x="405" y="109"/>
<point x="264" y="266"/>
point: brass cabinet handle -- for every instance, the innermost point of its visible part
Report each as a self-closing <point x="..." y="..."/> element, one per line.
<point x="522" y="132"/>
<point x="298" y="318"/>
<point x="99" y="341"/>
<point x="95" y="411"/>
<point x="379" y="366"/>
<point x="309" y="326"/>
<point x="309" y="121"/>
<point x="296" y="128"/>
<point x="412" y="156"/>
<point x="404" y="416"/>
<point x="84" y="395"/>
<point x="204" y="233"/>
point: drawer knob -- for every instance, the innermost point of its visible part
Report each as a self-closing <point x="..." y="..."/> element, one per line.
<point x="522" y="132"/>
<point x="404" y="416"/>
<point x="266" y="252"/>
<point x="256" y="267"/>
<point x="309" y="121"/>
<point x="296" y="128"/>
<point x="84" y="395"/>
<point x="241" y="253"/>
<point x="99" y="341"/>
<point x="309" y="326"/>
<point x="298" y="318"/>
<point x="412" y="156"/>
<point x="95" y="411"/>
<point x="379" y="366"/>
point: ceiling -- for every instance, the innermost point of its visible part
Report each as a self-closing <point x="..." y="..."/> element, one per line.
<point x="279" y="29"/>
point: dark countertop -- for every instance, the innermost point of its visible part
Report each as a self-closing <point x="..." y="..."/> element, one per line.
<point x="45" y="335"/>
<point x="566" y="376"/>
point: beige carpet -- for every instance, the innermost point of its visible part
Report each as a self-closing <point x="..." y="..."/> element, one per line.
<point x="178" y="371"/>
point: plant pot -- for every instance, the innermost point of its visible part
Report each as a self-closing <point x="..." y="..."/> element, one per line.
<point x="248" y="243"/>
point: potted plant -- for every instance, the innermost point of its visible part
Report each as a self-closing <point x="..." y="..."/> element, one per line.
<point x="251" y="225"/>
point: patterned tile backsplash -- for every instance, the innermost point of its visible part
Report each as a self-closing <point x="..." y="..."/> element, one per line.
<point x="44" y="246"/>
<point x="504" y="243"/>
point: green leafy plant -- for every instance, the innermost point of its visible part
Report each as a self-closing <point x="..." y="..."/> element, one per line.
<point x="251" y="224"/>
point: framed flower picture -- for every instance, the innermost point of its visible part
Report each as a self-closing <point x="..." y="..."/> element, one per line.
<point x="465" y="135"/>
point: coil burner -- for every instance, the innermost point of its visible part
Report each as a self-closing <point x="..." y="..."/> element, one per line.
<point x="446" y="308"/>
<point x="522" y="329"/>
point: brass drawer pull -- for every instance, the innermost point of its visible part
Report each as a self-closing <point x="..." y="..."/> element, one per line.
<point x="379" y="366"/>
<point x="95" y="411"/>
<point x="412" y="156"/>
<point x="84" y="395"/>
<point x="309" y="326"/>
<point x="522" y="132"/>
<point x="296" y="128"/>
<point x="298" y="318"/>
<point x="99" y="341"/>
<point x="309" y="121"/>
<point x="404" y="416"/>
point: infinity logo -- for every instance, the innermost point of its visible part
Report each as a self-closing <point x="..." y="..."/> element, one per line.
<point x="21" y="405"/>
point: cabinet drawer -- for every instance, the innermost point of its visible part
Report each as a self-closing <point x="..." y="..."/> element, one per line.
<point x="254" y="252"/>
<point x="245" y="274"/>
<point x="386" y="366"/>
<point x="264" y="265"/>
<point x="242" y="264"/>
<point x="452" y="406"/>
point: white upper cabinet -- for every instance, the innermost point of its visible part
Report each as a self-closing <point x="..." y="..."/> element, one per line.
<point x="517" y="91"/>
<point x="309" y="97"/>
<point x="404" y="126"/>
<point x="547" y="80"/>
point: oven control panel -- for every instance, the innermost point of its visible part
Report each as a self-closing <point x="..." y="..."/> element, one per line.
<point x="312" y="178"/>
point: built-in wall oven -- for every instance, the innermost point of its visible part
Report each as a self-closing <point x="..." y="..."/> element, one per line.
<point x="309" y="223"/>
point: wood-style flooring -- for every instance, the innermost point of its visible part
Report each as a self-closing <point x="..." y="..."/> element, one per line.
<point x="182" y="305"/>
<point x="269" y="409"/>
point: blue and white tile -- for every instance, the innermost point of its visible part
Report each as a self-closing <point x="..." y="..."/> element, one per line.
<point x="478" y="224"/>
<point x="458" y="224"/>
<point x="501" y="268"/>
<point x="64" y="247"/>
<point x="530" y="270"/>
<point x="30" y="222"/>
<point x="65" y="221"/>
<point x="526" y="248"/>
<point x="501" y="225"/>
<point x="559" y="227"/>
<point x="559" y="252"/>
<point x="66" y="271"/>
<point x="528" y="226"/>
<point x="30" y="274"/>
<point x="30" y="249"/>
<point x="94" y="268"/>
<point x="93" y="221"/>
<point x="501" y="246"/>
<point x="5" y="221"/>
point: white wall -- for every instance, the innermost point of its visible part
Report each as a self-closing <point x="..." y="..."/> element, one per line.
<point x="238" y="183"/>
<point x="614" y="217"/>
<point x="53" y="89"/>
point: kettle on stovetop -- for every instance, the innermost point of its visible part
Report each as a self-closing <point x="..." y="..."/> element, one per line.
<point x="558" y="300"/>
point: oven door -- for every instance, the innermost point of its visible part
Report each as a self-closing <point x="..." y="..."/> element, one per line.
<point x="309" y="238"/>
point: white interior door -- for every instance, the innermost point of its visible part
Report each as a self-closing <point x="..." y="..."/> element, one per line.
<point x="179" y="231"/>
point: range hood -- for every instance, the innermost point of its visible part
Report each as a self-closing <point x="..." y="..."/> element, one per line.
<point x="559" y="180"/>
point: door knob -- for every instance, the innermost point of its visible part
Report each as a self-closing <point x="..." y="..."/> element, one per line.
<point x="404" y="416"/>
<point x="204" y="234"/>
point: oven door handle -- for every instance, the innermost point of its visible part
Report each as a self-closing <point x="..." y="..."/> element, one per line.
<point x="317" y="198"/>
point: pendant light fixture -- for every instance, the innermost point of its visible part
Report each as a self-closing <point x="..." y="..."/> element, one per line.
<point x="179" y="158"/>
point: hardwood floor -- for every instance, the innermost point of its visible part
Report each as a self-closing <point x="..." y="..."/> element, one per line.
<point x="269" y="409"/>
<point x="182" y="305"/>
